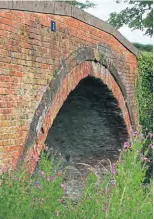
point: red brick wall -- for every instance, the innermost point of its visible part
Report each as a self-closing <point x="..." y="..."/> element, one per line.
<point x="30" y="53"/>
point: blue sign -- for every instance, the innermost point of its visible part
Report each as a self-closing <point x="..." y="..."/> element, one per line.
<point x="53" y="26"/>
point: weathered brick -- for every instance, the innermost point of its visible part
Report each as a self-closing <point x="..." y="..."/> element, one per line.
<point x="30" y="54"/>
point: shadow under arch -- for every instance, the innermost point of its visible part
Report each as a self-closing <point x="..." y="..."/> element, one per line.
<point x="89" y="126"/>
<point x="80" y="64"/>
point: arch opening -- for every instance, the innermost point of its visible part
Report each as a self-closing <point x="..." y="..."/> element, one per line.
<point x="89" y="126"/>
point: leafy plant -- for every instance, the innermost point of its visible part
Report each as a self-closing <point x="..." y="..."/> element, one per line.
<point x="120" y="194"/>
<point x="144" y="90"/>
<point x="129" y="197"/>
<point x="31" y="196"/>
<point x="139" y="16"/>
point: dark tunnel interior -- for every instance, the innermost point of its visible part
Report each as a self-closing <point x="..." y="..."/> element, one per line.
<point x="89" y="125"/>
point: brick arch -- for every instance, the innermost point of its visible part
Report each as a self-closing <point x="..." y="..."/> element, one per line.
<point x="84" y="62"/>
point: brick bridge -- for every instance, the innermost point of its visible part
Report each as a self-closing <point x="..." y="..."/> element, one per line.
<point x="51" y="52"/>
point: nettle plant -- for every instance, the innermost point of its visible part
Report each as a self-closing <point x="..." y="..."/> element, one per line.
<point x="119" y="194"/>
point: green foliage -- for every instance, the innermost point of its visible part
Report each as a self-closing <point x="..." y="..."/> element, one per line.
<point x="122" y="195"/>
<point x="129" y="198"/>
<point x="145" y="91"/>
<point x="31" y="197"/>
<point x="143" y="47"/>
<point x="145" y="102"/>
<point x="118" y="195"/>
<point x="139" y="16"/>
<point x="80" y="5"/>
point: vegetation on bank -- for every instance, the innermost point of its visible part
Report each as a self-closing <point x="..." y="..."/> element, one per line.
<point x="144" y="47"/>
<point x="119" y="194"/>
<point x="144" y="88"/>
<point x="145" y="91"/>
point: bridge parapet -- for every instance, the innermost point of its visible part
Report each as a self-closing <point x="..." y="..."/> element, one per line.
<point x="64" y="9"/>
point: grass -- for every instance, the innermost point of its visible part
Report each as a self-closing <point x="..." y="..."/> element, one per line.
<point x="118" y="194"/>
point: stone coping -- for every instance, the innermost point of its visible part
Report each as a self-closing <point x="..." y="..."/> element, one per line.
<point x="65" y="9"/>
